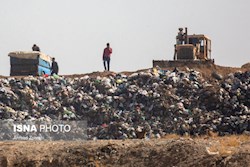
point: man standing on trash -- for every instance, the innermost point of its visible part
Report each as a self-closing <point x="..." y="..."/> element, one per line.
<point x="106" y="57"/>
<point x="54" y="67"/>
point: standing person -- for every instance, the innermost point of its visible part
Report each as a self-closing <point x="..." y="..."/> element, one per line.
<point x="54" y="67"/>
<point x="106" y="56"/>
<point x="175" y="52"/>
<point x="35" y="48"/>
<point x="180" y="37"/>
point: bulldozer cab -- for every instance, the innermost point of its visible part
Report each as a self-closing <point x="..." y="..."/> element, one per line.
<point x="196" y="47"/>
<point x="202" y="44"/>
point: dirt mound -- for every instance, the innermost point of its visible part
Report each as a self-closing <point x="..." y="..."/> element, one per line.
<point x="205" y="69"/>
<point x="208" y="70"/>
<point x="200" y="152"/>
<point x="246" y="66"/>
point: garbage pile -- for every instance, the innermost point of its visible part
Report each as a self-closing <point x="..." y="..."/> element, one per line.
<point x="152" y="103"/>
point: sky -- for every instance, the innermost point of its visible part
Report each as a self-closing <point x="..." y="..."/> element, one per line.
<point x="75" y="32"/>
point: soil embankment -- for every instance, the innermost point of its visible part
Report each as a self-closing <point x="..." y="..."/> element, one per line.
<point x="171" y="151"/>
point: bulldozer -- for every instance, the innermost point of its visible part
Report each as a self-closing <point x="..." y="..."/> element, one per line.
<point x="188" y="50"/>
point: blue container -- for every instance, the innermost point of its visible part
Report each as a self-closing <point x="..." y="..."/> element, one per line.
<point x="29" y="63"/>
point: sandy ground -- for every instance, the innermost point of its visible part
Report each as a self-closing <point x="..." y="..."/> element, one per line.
<point x="230" y="151"/>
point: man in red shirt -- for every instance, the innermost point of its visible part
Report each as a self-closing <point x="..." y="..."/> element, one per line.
<point x="106" y="56"/>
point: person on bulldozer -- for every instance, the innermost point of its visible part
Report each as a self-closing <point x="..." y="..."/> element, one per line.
<point x="180" y="38"/>
<point x="175" y="52"/>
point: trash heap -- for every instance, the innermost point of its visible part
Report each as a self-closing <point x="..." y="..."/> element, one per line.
<point x="152" y="103"/>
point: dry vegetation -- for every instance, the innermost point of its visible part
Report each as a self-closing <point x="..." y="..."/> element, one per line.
<point x="221" y="145"/>
<point x="228" y="144"/>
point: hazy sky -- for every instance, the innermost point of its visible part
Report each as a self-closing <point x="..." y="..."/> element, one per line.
<point x="76" y="31"/>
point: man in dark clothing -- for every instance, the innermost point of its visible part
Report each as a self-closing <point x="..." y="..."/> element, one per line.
<point x="35" y="48"/>
<point x="54" y="67"/>
<point x="180" y="37"/>
<point x="106" y="56"/>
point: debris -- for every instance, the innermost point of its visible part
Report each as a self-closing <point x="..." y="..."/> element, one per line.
<point x="144" y="104"/>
